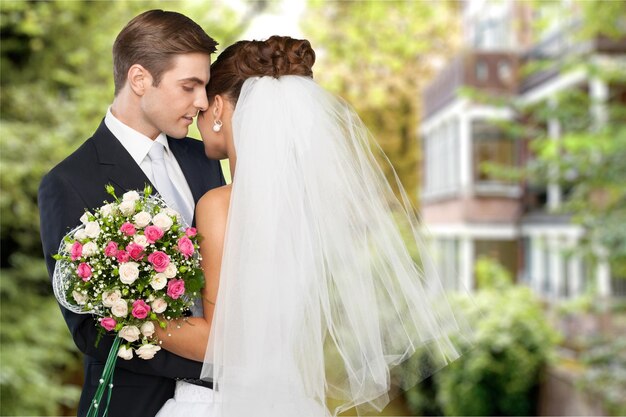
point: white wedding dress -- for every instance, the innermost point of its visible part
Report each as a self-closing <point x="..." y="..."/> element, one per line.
<point x="190" y="401"/>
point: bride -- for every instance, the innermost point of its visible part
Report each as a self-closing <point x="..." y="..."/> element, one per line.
<point x="317" y="281"/>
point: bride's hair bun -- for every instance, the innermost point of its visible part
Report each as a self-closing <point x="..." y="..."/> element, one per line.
<point x="277" y="56"/>
<point x="274" y="57"/>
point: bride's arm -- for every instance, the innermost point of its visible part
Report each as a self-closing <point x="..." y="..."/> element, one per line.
<point x="190" y="339"/>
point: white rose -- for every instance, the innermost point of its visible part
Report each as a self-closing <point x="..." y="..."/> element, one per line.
<point x="129" y="333"/>
<point x="130" y="196"/>
<point x="159" y="281"/>
<point x="120" y="308"/>
<point x="125" y="353"/>
<point x="108" y="210"/>
<point x="127" y="207"/>
<point x="85" y="217"/>
<point x="90" y="248"/>
<point x="147" y="329"/>
<point x="92" y="229"/>
<point x="171" y="270"/>
<point x="129" y="272"/>
<point x="109" y="298"/>
<point x="148" y="351"/>
<point x="68" y="246"/>
<point x="163" y="221"/>
<point x="171" y="212"/>
<point x="142" y="219"/>
<point x="159" y="305"/>
<point x="79" y="297"/>
<point x="80" y="234"/>
<point x="141" y="240"/>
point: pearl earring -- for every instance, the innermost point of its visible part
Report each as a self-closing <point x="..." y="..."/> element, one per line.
<point x="217" y="125"/>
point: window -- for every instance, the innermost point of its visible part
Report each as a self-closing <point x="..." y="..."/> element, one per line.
<point x="490" y="145"/>
<point x="447" y="260"/>
<point x="482" y="71"/>
<point x="527" y="267"/>
<point x="505" y="73"/>
<point x="441" y="163"/>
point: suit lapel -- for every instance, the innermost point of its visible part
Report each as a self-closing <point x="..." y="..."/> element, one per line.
<point x="124" y="173"/>
<point x="116" y="162"/>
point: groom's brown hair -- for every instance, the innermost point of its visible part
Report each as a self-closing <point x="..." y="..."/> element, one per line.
<point x="153" y="39"/>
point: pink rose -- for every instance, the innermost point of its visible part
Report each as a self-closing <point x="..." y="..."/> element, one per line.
<point x="135" y="251"/>
<point x="108" y="323"/>
<point x="185" y="246"/>
<point x="191" y="232"/>
<point x="76" y="251"/>
<point x="140" y="309"/>
<point x="128" y="229"/>
<point x="111" y="249"/>
<point x="159" y="260"/>
<point x="175" y="288"/>
<point x="122" y="256"/>
<point x="153" y="233"/>
<point x="84" y="271"/>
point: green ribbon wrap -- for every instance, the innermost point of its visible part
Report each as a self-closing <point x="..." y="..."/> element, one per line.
<point x="106" y="383"/>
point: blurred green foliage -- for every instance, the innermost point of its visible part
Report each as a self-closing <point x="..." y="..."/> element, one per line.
<point x="587" y="161"/>
<point x="605" y="373"/>
<point x="379" y="55"/>
<point x="492" y="275"/>
<point x="500" y="371"/>
<point x="56" y="83"/>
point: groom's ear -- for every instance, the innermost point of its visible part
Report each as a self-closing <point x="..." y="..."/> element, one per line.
<point x="139" y="79"/>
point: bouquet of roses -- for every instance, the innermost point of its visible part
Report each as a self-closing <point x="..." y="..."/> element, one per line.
<point x="132" y="262"/>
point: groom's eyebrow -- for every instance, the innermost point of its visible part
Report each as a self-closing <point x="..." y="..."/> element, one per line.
<point x="193" y="80"/>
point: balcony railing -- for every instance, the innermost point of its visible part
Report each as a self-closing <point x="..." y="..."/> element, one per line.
<point x="500" y="73"/>
<point x="561" y="48"/>
<point x="491" y="72"/>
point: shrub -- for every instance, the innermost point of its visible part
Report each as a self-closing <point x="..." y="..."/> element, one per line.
<point x="500" y="372"/>
<point x="605" y="373"/>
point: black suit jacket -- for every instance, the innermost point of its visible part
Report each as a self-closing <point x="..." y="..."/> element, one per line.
<point x="77" y="183"/>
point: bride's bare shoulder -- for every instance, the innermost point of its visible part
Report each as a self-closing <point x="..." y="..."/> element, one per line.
<point x="214" y="201"/>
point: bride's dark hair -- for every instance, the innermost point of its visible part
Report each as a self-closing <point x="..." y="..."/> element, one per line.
<point x="274" y="57"/>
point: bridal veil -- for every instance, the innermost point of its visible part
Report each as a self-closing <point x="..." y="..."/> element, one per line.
<point x="326" y="286"/>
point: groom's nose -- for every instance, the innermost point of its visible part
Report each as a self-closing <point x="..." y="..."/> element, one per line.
<point x="201" y="101"/>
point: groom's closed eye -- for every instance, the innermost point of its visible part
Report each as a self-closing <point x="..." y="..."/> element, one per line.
<point x="192" y="82"/>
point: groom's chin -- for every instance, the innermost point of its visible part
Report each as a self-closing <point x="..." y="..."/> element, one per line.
<point x="178" y="133"/>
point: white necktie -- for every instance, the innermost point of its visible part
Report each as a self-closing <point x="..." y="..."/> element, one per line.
<point x="164" y="185"/>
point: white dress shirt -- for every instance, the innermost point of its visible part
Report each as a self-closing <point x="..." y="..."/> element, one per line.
<point x="138" y="146"/>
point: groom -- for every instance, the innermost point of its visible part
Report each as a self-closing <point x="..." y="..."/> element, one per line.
<point x="161" y="67"/>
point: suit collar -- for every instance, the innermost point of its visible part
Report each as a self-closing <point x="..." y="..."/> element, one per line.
<point x="124" y="172"/>
<point x="136" y="143"/>
<point x="120" y="167"/>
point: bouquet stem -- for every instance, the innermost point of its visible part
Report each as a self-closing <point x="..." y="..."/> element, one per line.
<point x="106" y="381"/>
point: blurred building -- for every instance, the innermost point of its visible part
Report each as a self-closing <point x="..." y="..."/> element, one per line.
<point x="470" y="213"/>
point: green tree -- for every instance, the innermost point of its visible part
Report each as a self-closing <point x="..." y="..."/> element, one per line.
<point x="56" y="83"/>
<point x="379" y="56"/>
<point x="586" y="161"/>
